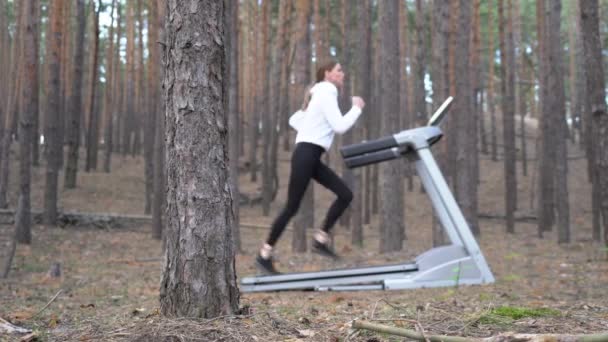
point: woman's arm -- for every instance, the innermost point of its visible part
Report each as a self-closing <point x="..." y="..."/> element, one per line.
<point x="339" y="123"/>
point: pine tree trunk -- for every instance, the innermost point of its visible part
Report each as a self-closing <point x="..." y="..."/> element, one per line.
<point x="305" y="217"/>
<point x="440" y="68"/>
<point x="91" y="113"/>
<point x="232" y="44"/>
<point x="75" y="106"/>
<point x="5" y="43"/>
<point x="508" y="104"/>
<point x="199" y="277"/>
<point x="255" y="112"/>
<point x="110" y="90"/>
<point x="130" y="85"/>
<point x="115" y="102"/>
<point x="152" y="100"/>
<point x="29" y="108"/>
<point x="594" y="74"/>
<point x="160" y="193"/>
<point x="555" y="87"/>
<point x="392" y="224"/>
<point x="465" y="185"/>
<point x="266" y="114"/>
<point x="54" y="44"/>
<point x="12" y="104"/>
<point x="35" y="151"/>
<point x="546" y="153"/>
<point x="361" y="74"/>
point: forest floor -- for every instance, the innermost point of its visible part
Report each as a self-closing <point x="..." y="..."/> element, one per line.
<point x="109" y="284"/>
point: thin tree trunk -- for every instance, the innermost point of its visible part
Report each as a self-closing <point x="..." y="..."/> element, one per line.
<point x="114" y="102"/>
<point x="546" y="153"/>
<point x="594" y="74"/>
<point x="74" y="109"/>
<point x="53" y="115"/>
<point x="160" y="174"/>
<point x="305" y="217"/>
<point x="23" y="220"/>
<point x="508" y="99"/>
<point x="12" y="106"/>
<point x="152" y="100"/>
<point x="391" y="182"/>
<point x="110" y="90"/>
<point x="266" y="114"/>
<point x="91" y="113"/>
<point x="232" y="57"/>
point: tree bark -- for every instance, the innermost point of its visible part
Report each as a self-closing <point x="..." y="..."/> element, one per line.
<point x="152" y="102"/>
<point x="594" y="73"/>
<point x="110" y="89"/>
<point x="305" y="217"/>
<point x="91" y="112"/>
<point x="115" y="101"/>
<point x="23" y="221"/>
<point x="556" y="103"/>
<point x="74" y="109"/>
<point x="507" y="72"/>
<point x="232" y="44"/>
<point x="159" y="198"/>
<point x="12" y="105"/>
<point x="199" y="276"/>
<point x="391" y="181"/>
<point x="546" y="198"/>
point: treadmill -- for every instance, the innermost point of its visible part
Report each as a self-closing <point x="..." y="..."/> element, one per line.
<point x="460" y="263"/>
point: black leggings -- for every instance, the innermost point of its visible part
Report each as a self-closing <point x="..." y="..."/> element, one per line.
<point x="306" y="164"/>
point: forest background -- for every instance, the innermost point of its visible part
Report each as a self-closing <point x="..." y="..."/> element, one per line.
<point x="82" y="130"/>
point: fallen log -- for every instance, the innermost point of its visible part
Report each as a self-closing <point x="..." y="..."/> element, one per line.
<point x="71" y="218"/>
<point x="8" y="328"/>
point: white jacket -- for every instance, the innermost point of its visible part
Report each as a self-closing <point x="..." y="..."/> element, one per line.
<point x="322" y="119"/>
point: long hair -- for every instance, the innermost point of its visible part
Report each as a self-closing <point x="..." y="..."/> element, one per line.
<point x="320" y="77"/>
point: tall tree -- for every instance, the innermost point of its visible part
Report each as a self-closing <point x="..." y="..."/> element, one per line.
<point x="12" y="104"/>
<point x="53" y="115"/>
<point x="594" y="74"/>
<point x="301" y="71"/>
<point x="361" y="71"/>
<point x="91" y="112"/>
<point x="110" y="90"/>
<point x="556" y="112"/>
<point x="267" y="116"/>
<point x="151" y="103"/>
<point x="507" y="75"/>
<point x="256" y="90"/>
<point x="115" y="95"/>
<point x="29" y="109"/>
<point x="391" y="183"/>
<point x="546" y="165"/>
<point x="155" y="120"/>
<point x="441" y="85"/>
<point x="75" y="105"/>
<point x="199" y="276"/>
<point x="232" y="44"/>
<point x="465" y="185"/>
<point x="5" y="61"/>
<point x="130" y="85"/>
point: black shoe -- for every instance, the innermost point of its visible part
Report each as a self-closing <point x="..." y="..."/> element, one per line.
<point x="265" y="265"/>
<point x="324" y="250"/>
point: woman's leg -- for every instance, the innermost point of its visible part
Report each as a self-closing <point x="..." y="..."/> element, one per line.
<point x="329" y="179"/>
<point x="303" y="164"/>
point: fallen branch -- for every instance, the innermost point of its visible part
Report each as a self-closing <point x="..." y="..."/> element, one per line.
<point x="407" y="333"/>
<point x="9" y="328"/>
<point x="505" y="337"/>
<point x="47" y="304"/>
